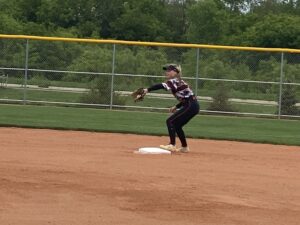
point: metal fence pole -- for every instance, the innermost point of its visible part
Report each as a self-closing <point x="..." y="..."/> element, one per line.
<point x="280" y="85"/>
<point x="197" y="72"/>
<point x="25" y="72"/>
<point x="112" y="77"/>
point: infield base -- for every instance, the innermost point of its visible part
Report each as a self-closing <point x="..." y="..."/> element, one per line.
<point x="152" y="150"/>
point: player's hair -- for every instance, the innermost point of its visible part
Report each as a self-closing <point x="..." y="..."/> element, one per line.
<point x="179" y="73"/>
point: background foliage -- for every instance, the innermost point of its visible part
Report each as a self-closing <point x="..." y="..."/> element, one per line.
<point x="264" y="23"/>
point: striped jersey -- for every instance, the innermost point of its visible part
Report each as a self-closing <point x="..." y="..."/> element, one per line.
<point x="179" y="88"/>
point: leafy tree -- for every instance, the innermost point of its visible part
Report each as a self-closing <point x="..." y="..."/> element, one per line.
<point x="8" y="24"/>
<point x="207" y="22"/>
<point x="292" y="71"/>
<point x="26" y="10"/>
<point x="69" y="14"/>
<point x="268" y="70"/>
<point x="176" y="19"/>
<point x="139" y="61"/>
<point x="92" y="59"/>
<point x="52" y="55"/>
<point x="12" y="53"/>
<point x="106" y="13"/>
<point x="268" y="7"/>
<point x="141" y="20"/>
<point x="281" y="31"/>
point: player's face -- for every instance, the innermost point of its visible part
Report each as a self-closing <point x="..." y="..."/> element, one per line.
<point x="170" y="74"/>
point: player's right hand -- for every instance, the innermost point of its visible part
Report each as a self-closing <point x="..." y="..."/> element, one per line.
<point x="172" y="109"/>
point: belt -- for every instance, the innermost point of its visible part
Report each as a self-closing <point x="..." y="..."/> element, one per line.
<point x="192" y="97"/>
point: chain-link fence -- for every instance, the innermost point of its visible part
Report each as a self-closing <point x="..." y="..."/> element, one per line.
<point x="246" y="81"/>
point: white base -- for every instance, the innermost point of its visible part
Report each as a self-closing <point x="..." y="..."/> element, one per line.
<point x="152" y="150"/>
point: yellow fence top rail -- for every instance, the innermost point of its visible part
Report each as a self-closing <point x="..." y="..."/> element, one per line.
<point x="141" y="43"/>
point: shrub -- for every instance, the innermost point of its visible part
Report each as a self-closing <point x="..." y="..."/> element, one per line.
<point x="220" y="100"/>
<point x="288" y="102"/>
<point x="99" y="93"/>
<point x="40" y="81"/>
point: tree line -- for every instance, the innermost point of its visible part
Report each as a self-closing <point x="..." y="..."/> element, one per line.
<point x="263" y="23"/>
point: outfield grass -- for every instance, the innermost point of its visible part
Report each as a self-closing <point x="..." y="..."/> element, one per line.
<point x="213" y="127"/>
<point x="55" y="96"/>
<point x="37" y="95"/>
<point x="238" y="107"/>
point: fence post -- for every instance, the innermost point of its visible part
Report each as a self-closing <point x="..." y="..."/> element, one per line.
<point x="25" y="72"/>
<point x="197" y="72"/>
<point x="280" y="86"/>
<point x="112" y="77"/>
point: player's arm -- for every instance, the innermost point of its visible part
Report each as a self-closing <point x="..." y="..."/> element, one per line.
<point x="155" y="87"/>
<point x="174" y="108"/>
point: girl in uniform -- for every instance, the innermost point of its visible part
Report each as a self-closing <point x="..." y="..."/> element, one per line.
<point x="183" y="112"/>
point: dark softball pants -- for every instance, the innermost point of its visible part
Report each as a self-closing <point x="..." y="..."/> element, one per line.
<point x="181" y="117"/>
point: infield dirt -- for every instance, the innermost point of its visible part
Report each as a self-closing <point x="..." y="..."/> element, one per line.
<point x="83" y="178"/>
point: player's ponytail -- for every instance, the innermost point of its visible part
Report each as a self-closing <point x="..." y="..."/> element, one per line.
<point x="179" y="72"/>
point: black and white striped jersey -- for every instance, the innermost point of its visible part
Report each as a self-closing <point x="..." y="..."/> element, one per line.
<point x="179" y="88"/>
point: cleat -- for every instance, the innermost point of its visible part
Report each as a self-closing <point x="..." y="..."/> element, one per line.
<point x="169" y="147"/>
<point x="184" y="149"/>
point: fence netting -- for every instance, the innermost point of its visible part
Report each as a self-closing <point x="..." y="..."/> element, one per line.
<point x="104" y="75"/>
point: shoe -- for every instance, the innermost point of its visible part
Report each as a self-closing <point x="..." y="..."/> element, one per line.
<point x="169" y="147"/>
<point x="184" y="149"/>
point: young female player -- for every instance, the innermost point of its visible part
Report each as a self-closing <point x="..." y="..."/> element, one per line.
<point x="185" y="110"/>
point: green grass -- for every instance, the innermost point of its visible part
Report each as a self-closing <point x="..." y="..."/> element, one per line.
<point x="212" y="127"/>
<point x="240" y="94"/>
<point x="121" y="84"/>
<point x="38" y="95"/>
<point x="239" y="107"/>
<point x="8" y="93"/>
<point x="15" y="80"/>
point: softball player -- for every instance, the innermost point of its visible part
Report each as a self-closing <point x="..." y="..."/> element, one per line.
<point x="185" y="110"/>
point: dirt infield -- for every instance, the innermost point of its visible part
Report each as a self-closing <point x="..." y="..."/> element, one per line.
<point x="82" y="178"/>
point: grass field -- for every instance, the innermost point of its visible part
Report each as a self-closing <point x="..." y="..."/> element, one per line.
<point x="119" y="85"/>
<point x="37" y="95"/>
<point x="212" y="127"/>
<point x="239" y="107"/>
<point x="48" y="95"/>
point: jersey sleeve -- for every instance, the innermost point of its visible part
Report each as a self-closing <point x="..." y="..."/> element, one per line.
<point x="156" y="87"/>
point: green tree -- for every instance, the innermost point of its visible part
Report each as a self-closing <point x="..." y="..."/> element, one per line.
<point x="9" y="25"/>
<point x="106" y="13"/>
<point x="92" y="59"/>
<point x="273" y="7"/>
<point x="207" y="22"/>
<point x="176" y="19"/>
<point x="52" y="56"/>
<point x="26" y="10"/>
<point x="274" y="31"/>
<point x="268" y="70"/>
<point x="292" y="71"/>
<point x="142" y="20"/>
